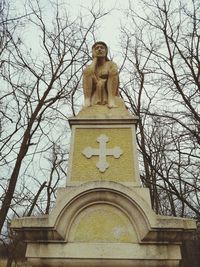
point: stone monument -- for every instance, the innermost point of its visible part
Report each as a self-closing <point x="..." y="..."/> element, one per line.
<point x="103" y="217"/>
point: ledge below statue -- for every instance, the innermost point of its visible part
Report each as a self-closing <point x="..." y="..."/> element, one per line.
<point x="104" y="112"/>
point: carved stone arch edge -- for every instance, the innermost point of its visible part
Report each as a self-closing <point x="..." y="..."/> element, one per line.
<point x="134" y="201"/>
<point x="103" y="195"/>
<point x="150" y="228"/>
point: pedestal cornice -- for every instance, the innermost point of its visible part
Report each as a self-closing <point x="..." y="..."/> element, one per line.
<point x="103" y="121"/>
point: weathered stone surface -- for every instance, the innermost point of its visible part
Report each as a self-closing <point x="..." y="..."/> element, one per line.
<point x="100" y="78"/>
<point x="103" y="111"/>
<point x="103" y="218"/>
<point x="84" y="169"/>
<point x="108" y="221"/>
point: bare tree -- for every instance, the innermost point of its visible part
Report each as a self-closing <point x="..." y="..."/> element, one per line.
<point x="40" y="85"/>
<point x="162" y="86"/>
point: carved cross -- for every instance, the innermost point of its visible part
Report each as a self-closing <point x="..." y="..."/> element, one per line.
<point x="102" y="152"/>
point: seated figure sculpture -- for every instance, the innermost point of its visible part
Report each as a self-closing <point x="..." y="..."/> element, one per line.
<point x="100" y="78"/>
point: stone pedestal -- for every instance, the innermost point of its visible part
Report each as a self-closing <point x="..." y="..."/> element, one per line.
<point x="119" y="134"/>
<point x="103" y="217"/>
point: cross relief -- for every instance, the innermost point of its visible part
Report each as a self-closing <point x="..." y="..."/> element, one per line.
<point x="102" y="152"/>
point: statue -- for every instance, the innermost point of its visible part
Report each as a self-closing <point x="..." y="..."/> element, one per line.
<point x="100" y="78"/>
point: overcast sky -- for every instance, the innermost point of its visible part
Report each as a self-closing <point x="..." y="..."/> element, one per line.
<point x="109" y="25"/>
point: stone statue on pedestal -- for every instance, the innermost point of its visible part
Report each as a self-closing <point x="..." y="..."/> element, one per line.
<point x="103" y="217"/>
<point x="100" y="78"/>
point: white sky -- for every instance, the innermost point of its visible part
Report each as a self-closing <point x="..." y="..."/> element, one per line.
<point x="109" y="24"/>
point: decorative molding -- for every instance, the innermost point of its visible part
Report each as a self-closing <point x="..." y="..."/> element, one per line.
<point x="102" y="152"/>
<point x="103" y="121"/>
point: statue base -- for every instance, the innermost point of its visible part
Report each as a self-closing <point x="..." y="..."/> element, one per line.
<point x="103" y="223"/>
<point x="103" y="217"/>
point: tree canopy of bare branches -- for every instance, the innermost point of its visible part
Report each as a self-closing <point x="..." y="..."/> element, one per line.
<point x="161" y="46"/>
<point x="40" y="82"/>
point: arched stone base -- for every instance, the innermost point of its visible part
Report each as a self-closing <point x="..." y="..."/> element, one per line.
<point x="103" y="224"/>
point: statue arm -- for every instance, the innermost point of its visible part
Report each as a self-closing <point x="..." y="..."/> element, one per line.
<point x="112" y="84"/>
<point x="89" y="78"/>
<point x="113" y="70"/>
<point x="90" y="70"/>
<point x="113" y="81"/>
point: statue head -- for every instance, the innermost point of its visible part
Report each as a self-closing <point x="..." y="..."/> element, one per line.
<point x="103" y="44"/>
